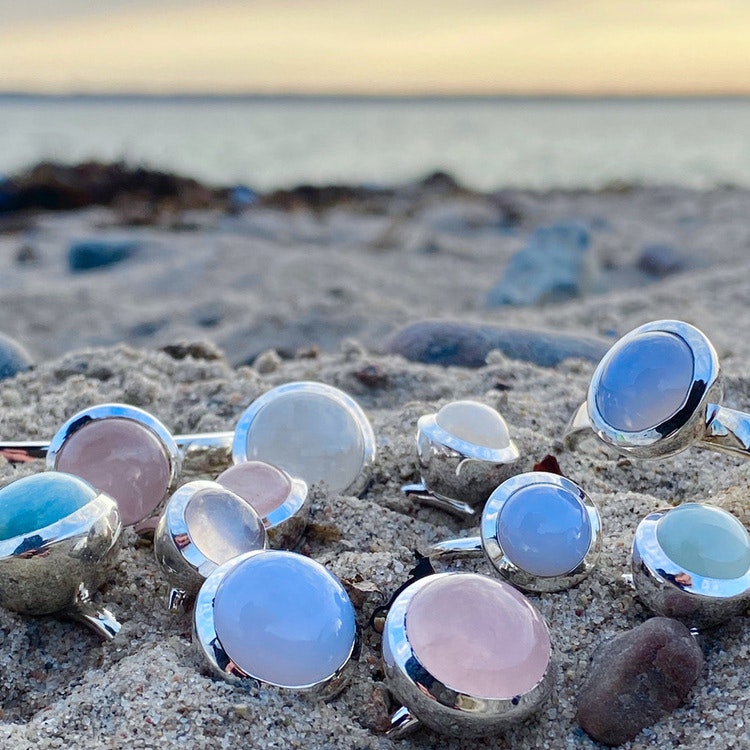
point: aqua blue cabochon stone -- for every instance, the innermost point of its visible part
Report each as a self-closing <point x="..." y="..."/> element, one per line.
<point x="705" y="540"/>
<point x="645" y="381"/>
<point x="40" y="500"/>
<point x="284" y="619"/>
<point x="544" y="530"/>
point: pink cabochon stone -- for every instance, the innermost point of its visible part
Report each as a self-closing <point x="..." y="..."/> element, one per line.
<point x="261" y="485"/>
<point x="123" y="459"/>
<point x="478" y="636"/>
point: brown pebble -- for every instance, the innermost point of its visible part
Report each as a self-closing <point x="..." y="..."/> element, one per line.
<point x="638" y="677"/>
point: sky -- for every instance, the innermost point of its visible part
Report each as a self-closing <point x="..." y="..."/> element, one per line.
<point x="578" y="47"/>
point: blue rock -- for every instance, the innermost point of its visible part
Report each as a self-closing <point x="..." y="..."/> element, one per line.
<point x="550" y="268"/>
<point x="661" y="260"/>
<point x="92" y="254"/>
<point x="239" y="198"/>
<point x="13" y="357"/>
<point x="441" y="342"/>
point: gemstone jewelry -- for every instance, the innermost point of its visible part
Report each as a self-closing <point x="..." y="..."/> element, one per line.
<point x="59" y="538"/>
<point x="281" y="501"/>
<point x="656" y="392"/>
<point x="277" y="618"/>
<point x="464" y="452"/>
<point x="540" y="531"/>
<point x="203" y="526"/>
<point x="692" y="562"/>
<point x="466" y="655"/>
<point x="312" y="431"/>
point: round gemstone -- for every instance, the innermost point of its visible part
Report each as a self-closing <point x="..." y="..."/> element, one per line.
<point x="261" y="485"/>
<point x="475" y="423"/>
<point x="37" y="501"/>
<point x="311" y="436"/>
<point x="284" y="619"/>
<point x="222" y="525"/>
<point x="122" y="458"/>
<point x="645" y="381"/>
<point x="544" y="530"/>
<point x="705" y="540"/>
<point x="478" y="636"/>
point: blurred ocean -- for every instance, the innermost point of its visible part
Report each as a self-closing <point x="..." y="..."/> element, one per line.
<point x="268" y="142"/>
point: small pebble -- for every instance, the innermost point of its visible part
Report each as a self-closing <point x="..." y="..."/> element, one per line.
<point x="661" y="260"/>
<point x="638" y="677"/>
<point x="93" y="254"/>
<point x="13" y="357"/>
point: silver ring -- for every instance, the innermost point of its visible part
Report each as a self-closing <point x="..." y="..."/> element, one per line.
<point x="122" y="451"/>
<point x="464" y="452"/>
<point x="656" y="392"/>
<point x="692" y="562"/>
<point x="466" y="655"/>
<point x="59" y="538"/>
<point x="282" y="501"/>
<point x="203" y="525"/>
<point x="277" y="618"/>
<point x="311" y="430"/>
<point x="540" y="531"/>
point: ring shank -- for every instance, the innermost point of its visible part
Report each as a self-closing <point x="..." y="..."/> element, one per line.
<point x="28" y="450"/>
<point x="728" y="431"/>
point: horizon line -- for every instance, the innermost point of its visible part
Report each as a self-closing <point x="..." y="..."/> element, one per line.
<point x="196" y="96"/>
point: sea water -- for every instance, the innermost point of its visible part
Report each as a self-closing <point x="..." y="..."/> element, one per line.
<point x="268" y="142"/>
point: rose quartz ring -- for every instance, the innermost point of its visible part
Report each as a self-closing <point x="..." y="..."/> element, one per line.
<point x="203" y="526"/>
<point x="121" y="450"/>
<point x="464" y="451"/>
<point x="310" y="430"/>
<point x="466" y="655"/>
<point x="540" y="531"/>
<point x="59" y="538"/>
<point x="277" y="618"/>
<point x="281" y="501"/>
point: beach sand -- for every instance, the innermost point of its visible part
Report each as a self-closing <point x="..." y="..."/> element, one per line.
<point x="344" y="280"/>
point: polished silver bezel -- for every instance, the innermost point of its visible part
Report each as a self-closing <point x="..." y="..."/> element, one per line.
<point x="505" y="566"/>
<point x="286" y="523"/>
<point x="120" y="411"/>
<point x="700" y="601"/>
<point x="436" y="704"/>
<point x="346" y="402"/>
<point x="688" y="423"/>
<point x="54" y="569"/>
<point x="219" y="661"/>
<point x="183" y="563"/>
<point x="456" y="469"/>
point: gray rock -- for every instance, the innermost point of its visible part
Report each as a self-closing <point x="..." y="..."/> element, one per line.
<point x="552" y="267"/>
<point x="441" y="342"/>
<point x="13" y="357"/>
<point x="92" y="254"/>
<point x="638" y="677"/>
<point x="661" y="260"/>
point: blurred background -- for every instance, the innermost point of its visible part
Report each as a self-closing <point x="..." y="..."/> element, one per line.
<point x="270" y="93"/>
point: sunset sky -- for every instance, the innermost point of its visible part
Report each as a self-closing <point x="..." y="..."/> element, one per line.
<point x="377" y="46"/>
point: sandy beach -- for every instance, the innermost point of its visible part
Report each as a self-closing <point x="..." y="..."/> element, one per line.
<point x="326" y="287"/>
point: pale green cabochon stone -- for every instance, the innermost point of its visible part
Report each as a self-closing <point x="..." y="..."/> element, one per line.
<point x="705" y="540"/>
<point x="37" y="501"/>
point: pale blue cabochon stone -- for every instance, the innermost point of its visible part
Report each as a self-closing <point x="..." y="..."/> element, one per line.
<point x="645" y="381"/>
<point x="705" y="540"/>
<point x="284" y="619"/>
<point x="37" y="501"/>
<point x="544" y="530"/>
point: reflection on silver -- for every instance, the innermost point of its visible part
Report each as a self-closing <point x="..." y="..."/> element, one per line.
<point x="431" y="702"/>
<point x="489" y="542"/>
<point x="700" y="420"/>
<point x="53" y="570"/>
<point x="669" y="590"/>
<point x="457" y="476"/>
